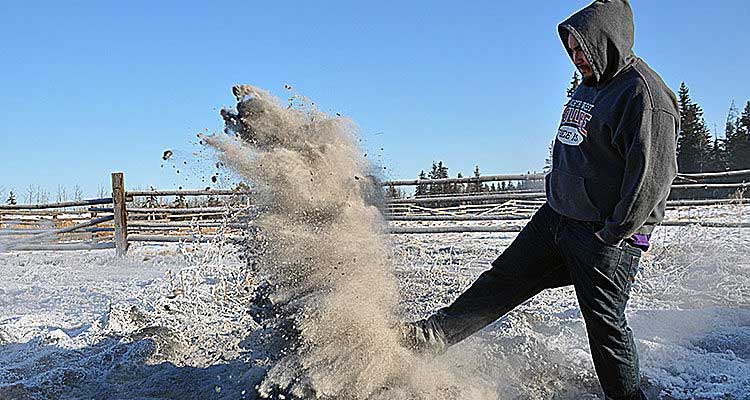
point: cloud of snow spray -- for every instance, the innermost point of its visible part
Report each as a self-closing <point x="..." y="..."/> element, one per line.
<point x="325" y="256"/>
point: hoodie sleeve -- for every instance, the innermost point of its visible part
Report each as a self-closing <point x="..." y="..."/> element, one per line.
<point x="646" y="137"/>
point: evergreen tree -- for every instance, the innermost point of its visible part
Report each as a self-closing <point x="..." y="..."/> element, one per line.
<point x="392" y="193"/>
<point x="12" y="199"/>
<point x="694" y="141"/>
<point x="732" y="140"/>
<point x="442" y="173"/>
<point x="718" y="156"/>
<point x="433" y="174"/>
<point x="421" y="187"/>
<point x="443" y="170"/>
<point x="458" y="187"/>
<point x="740" y="158"/>
<point x="574" y="82"/>
<point x="213" y="201"/>
<point x="179" y="201"/>
<point x="439" y="171"/>
<point x="152" y="201"/>
<point x="476" y="186"/>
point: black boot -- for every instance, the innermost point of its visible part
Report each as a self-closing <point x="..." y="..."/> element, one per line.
<point x="423" y="337"/>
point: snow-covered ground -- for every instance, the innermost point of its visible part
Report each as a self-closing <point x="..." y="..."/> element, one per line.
<point x="171" y="322"/>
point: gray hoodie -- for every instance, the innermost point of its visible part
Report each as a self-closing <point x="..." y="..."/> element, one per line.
<point x="614" y="157"/>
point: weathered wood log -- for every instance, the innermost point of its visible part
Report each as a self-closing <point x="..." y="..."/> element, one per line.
<point x="64" y="246"/>
<point x="457" y="217"/>
<point x="120" y="213"/>
<point x="453" y="229"/>
<point x="26" y="232"/>
<point x="427" y="196"/>
<point x="721" y="174"/>
<point x="211" y="192"/>
<point x="706" y="224"/>
<point x="173" y="239"/>
<point x="54" y="232"/>
<point x="101" y="209"/>
<point x="704" y="202"/>
<point x="448" y="199"/>
<point x="199" y="210"/>
<point x="712" y="186"/>
<point x="21" y="232"/>
<point x="78" y="203"/>
<point x="510" y="228"/>
<point x="200" y="224"/>
<point x="484" y="178"/>
<point x="38" y="212"/>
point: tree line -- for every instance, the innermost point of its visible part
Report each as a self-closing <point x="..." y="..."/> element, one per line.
<point x="38" y="195"/>
<point x="440" y="171"/>
<point x="698" y="149"/>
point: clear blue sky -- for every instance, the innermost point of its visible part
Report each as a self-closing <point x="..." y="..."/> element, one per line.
<point x="94" y="87"/>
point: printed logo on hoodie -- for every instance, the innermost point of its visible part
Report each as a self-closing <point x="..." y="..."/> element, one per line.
<point x="575" y="116"/>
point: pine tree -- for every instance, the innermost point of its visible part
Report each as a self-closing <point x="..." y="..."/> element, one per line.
<point x="459" y="188"/>
<point x="741" y="150"/>
<point x="152" y="201"/>
<point x="433" y="174"/>
<point x="476" y="186"/>
<point x="213" y="201"/>
<point x="12" y="199"/>
<point x="422" y="187"/>
<point x="392" y="193"/>
<point x="443" y="174"/>
<point x="574" y="82"/>
<point x="439" y="171"/>
<point x="732" y="140"/>
<point x="179" y="201"/>
<point x="718" y="156"/>
<point x="694" y="141"/>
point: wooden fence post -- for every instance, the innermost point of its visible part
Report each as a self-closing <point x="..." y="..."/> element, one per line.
<point x="121" y="216"/>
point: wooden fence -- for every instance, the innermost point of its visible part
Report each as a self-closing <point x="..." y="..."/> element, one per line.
<point x="117" y="221"/>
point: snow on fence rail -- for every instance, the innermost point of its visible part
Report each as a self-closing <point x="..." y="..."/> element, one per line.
<point x="112" y="223"/>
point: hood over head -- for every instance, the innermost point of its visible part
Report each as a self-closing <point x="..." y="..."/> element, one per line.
<point x="606" y="33"/>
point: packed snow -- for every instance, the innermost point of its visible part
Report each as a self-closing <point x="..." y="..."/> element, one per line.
<point x="193" y="321"/>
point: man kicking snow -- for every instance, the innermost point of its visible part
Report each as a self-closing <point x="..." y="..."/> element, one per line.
<point x="614" y="160"/>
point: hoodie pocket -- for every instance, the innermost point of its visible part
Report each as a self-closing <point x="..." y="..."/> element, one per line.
<point x="566" y="194"/>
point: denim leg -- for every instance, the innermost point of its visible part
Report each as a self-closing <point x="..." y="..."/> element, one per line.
<point x="602" y="276"/>
<point x="529" y="265"/>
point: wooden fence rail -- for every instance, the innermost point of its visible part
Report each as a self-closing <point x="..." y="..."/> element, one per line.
<point x="210" y="192"/>
<point x="540" y="176"/>
<point x="66" y="204"/>
<point x="115" y="222"/>
<point x="479" y="179"/>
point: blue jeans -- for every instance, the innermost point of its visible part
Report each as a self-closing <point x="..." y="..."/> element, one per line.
<point x="553" y="251"/>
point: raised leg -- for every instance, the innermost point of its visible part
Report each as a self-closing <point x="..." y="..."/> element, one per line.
<point x="529" y="265"/>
